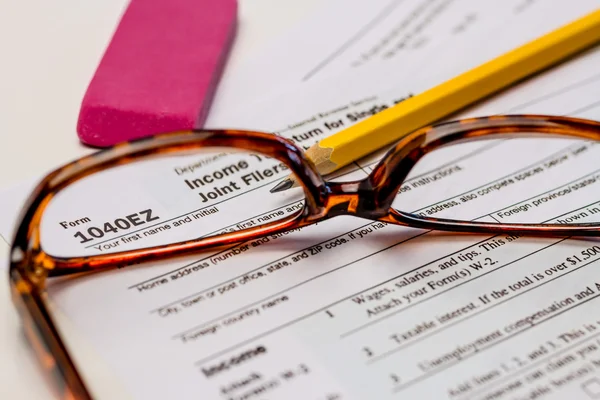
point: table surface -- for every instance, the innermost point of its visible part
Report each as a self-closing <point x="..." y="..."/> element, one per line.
<point x="49" y="53"/>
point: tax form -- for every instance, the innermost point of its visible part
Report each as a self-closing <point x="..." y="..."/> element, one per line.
<point x="358" y="309"/>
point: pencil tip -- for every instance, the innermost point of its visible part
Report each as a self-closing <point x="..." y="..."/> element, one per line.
<point x="283" y="185"/>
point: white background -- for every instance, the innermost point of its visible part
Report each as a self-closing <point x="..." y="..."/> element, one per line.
<point x="48" y="53"/>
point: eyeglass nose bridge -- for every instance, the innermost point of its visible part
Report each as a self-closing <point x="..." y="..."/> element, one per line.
<point x="356" y="198"/>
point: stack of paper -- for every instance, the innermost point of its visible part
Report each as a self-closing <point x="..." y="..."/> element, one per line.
<point x="354" y="309"/>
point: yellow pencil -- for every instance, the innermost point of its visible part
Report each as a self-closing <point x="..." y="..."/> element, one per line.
<point x="388" y="126"/>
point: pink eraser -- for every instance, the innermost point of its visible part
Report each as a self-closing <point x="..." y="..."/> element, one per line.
<point x="160" y="70"/>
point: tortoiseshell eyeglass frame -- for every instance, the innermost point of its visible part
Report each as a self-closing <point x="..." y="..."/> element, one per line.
<point x="369" y="198"/>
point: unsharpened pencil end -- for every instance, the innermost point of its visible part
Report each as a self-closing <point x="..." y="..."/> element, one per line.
<point x="283" y="185"/>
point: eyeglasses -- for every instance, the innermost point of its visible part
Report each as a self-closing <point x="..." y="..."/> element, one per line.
<point x="179" y="193"/>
